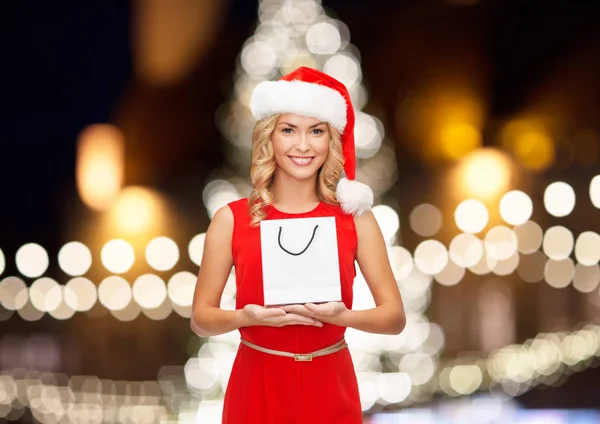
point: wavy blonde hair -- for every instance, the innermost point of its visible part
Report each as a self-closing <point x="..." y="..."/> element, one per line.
<point x="263" y="168"/>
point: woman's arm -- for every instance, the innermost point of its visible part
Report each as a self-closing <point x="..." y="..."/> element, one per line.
<point x="208" y="319"/>
<point x="388" y="316"/>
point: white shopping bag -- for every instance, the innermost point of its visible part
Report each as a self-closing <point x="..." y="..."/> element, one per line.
<point x="300" y="260"/>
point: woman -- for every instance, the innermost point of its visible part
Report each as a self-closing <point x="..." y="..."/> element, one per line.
<point x="293" y="365"/>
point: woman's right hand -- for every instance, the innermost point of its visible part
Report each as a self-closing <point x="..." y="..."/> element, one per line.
<point x="253" y="315"/>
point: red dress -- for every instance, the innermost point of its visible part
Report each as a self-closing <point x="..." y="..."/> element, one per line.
<point x="269" y="389"/>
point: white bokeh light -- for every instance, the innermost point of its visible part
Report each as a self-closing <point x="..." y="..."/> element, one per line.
<point x="344" y="68"/>
<point x="471" y="216"/>
<point x="559" y="273"/>
<point x="196" y="248"/>
<point x="559" y="199"/>
<point x="2" y="262"/>
<point x="258" y="58"/>
<point x="516" y="207"/>
<point x="595" y="191"/>
<point x="431" y="257"/>
<point x="586" y="278"/>
<point x="388" y="221"/>
<point x="117" y="256"/>
<point x="181" y="288"/>
<point x="75" y="258"/>
<point x="114" y="293"/>
<point x="394" y="387"/>
<point x="80" y="294"/>
<point x="149" y="291"/>
<point x="45" y="294"/>
<point x="530" y="236"/>
<point x="401" y="262"/>
<point x="13" y="293"/>
<point x="32" y="260"/>
<point x="162" y="253"/>
<point x="323" y="38"/>
<point x="587" y="248"/>
<point x="500" y="242"/>
<point x="466" y="250"/>
<point x="558" y="243"/>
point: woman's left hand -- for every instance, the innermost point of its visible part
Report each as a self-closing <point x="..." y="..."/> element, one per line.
<point x="330" y="312"/>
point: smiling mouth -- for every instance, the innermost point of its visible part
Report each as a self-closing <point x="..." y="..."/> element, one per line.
<point x="302" y="161"/>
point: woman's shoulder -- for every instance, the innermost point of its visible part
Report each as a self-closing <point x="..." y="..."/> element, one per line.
<point x="238" y="206"/>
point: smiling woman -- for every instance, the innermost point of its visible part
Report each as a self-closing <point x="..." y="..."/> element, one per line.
<point x="293" y="364"/>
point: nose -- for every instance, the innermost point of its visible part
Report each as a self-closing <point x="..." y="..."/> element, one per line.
<point x="303" y="145"/>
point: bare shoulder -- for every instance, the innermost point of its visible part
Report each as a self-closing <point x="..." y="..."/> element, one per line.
<point x="222" y="222"/>
<point x="366" y="223"/>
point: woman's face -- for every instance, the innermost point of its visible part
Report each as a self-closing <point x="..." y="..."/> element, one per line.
<point x="300" y="145"/>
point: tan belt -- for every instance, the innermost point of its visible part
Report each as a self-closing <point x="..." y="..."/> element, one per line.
<point x="300" y="356"/>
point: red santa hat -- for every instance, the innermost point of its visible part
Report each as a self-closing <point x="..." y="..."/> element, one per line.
<point x="309" y="92"/>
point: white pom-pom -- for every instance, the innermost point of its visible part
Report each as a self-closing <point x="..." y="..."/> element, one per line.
<point x="355" y="198"/>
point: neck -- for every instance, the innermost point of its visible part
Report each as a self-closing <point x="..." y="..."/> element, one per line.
<point x="289" y="191"/>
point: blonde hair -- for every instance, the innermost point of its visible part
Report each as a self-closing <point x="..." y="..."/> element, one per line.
<point x="263" y="168"/>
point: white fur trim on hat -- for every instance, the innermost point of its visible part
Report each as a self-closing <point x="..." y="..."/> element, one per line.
<point x="355" y="198"/>
<point x="299" y="97"/>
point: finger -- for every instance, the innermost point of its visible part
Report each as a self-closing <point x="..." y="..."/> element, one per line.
<point x="270" y="313"/>
<point x="295" y="319"/>
<point x="298" y="309"/>
<point x="313" y="308"/>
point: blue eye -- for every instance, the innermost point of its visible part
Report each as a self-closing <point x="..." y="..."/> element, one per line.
<point x="287" y="130"/>
<point x="318" y="131"/>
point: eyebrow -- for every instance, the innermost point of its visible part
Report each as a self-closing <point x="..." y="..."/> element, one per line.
<point x="295" y="126"/>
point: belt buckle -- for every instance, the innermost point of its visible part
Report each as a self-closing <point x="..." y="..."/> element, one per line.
<point x="303" y="357"/>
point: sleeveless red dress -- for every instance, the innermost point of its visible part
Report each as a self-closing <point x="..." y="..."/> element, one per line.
<point x="269" y="389"/>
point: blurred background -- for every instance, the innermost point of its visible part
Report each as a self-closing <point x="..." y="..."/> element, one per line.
<point x="125" y="126"/>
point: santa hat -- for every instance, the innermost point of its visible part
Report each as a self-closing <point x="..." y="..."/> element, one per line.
<point x="309" y="92"/>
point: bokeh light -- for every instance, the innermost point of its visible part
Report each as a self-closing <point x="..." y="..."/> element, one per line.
<point x="32" y="260"/>
<point x="431" y="257"/>
<point x="466" y="250"/>
<point x="181" y="288"/>
<point x="13" y="293"/>
<point x="149" y="291"/>
<point x="196" y="248"/>
<point x="558" y="242"/>
<point x="559" y="273"/>
<point x="117" y="256"/>
<point x="100" y="165"/>
<point x="471" y="216"/>
<point x="75" y="258"/>
<point x="586" y="278"/>
<point x="80" y="294"/>
<point x="500" y="242"/>
<point x="114" y="293"/>
<point x="45" y="294"/>
<point x="162" y="253"/>
<point x="559" y="199"/>
<point x="137" y="210"/>
<point x="529" y="142"/>
<point x="530" y="237"/>
<point x="459" y="139"/>
<point x="388" y="221"/>
<point x="595" y="191"/>
<point x="485" y="173"/>
<point x="425" y="220"/>
<point x="587" y="248"/>
<point x="516" y="207"/>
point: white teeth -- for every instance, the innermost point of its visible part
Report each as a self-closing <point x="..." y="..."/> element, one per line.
<point x="301" y="161"/>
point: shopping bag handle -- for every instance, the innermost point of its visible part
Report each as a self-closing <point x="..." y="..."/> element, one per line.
<point x="307" y="246"/>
